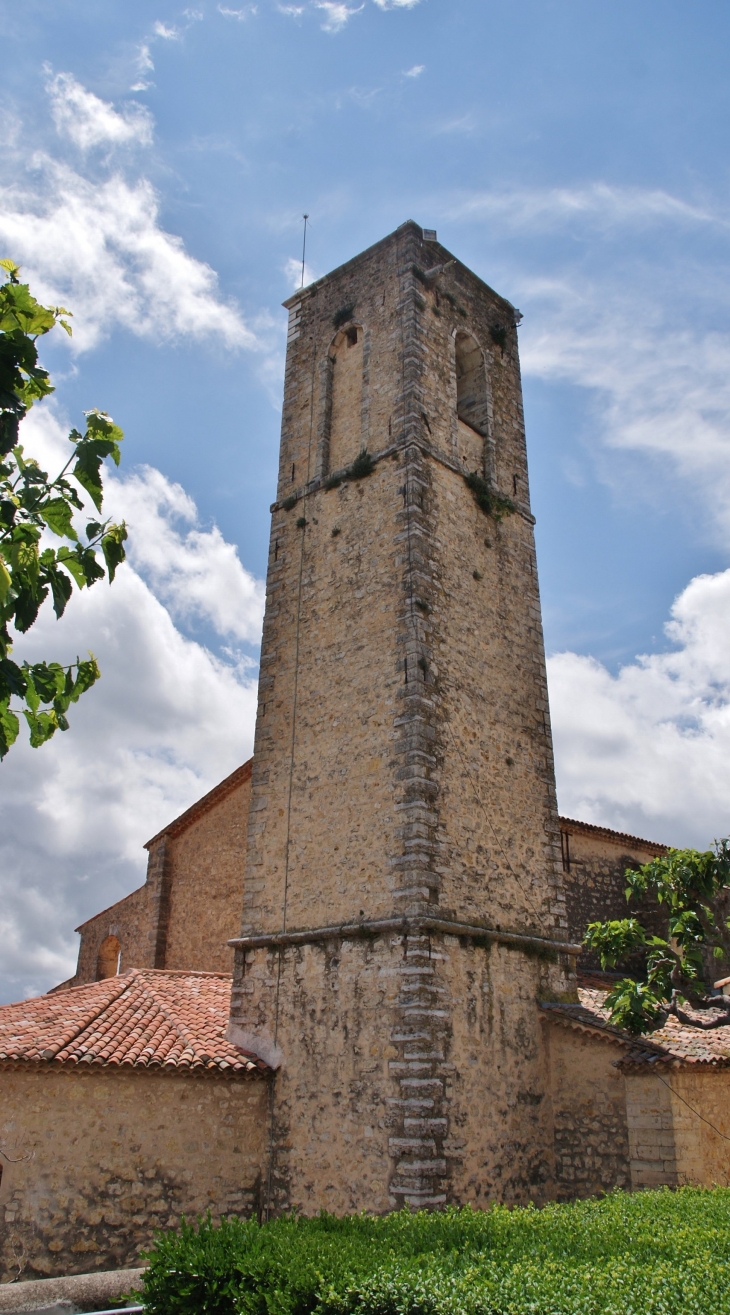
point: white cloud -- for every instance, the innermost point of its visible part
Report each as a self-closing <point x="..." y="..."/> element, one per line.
<point x="396" y="4"/>
<point x="167" y="721"/>
<point x="648" y="751"/>
<point x="596" y="202"/>
<point x="98" y="247"/>
<point x="89" y="121"/>
<point x="293" y="271"/>
<point x="292" y="11"/>
<point x="661" y="383"/>
<point x="194" y="572"/>
<point x="634" y="312"/>
<point x="337" y="15"/>
<point x="415" y="72"/>
<point x="145" y="65"/>
<point x="165" y="33"/>
<point x="241" y="15"/>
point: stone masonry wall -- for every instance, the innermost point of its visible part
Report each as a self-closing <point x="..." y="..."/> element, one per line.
<point x="589" y="1113"/>
<point x="208" y="868"/>
<point x="594" y="866"/>
<point x="116" y="1153"/>
<point x="414" y="1070"/>
<point x="190" y="904"/>
<point x="679" y="1122"/>
<point x="131" y="921"/>
<point x="402" y="763"/>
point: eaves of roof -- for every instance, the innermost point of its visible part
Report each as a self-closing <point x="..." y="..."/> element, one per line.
<point x="616" y="837"/>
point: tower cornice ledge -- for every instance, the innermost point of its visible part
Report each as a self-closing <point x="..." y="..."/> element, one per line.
<point x="406" y="926"/>
<point x="427" y="449"/>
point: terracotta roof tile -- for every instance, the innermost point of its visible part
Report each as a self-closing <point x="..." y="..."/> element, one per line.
<point x="143" y="1018"/>
<point x="674" y="1043"/>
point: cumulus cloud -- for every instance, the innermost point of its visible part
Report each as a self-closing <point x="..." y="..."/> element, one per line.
<point x="98" y="246"/>
<point x="194" y="572"/>
<point x="88" y="121"/>
<point x="169" y="718"/>
<point x="648" y="751"/>
<point x="91" y="237"/>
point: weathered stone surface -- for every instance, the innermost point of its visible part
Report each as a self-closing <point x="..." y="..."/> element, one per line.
<point x="190" y="904"/>
<point x="403" y="762"/>
<point x="104" y="1156"/>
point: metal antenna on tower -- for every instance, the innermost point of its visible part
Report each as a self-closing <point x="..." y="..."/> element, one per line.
<point x="304" y="245"/>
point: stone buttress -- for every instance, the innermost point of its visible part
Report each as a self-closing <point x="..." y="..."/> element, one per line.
<point x="403" y="908"/>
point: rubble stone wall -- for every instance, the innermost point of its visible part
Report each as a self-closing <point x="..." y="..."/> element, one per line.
<point x="190" y="904"/>
<point x="106" y="1156"/>
<point x="589" y="1113"/>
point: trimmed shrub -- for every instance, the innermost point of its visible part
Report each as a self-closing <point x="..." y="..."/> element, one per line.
<point x="651" y="1253"/>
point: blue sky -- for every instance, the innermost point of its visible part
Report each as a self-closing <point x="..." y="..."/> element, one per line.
<point x="158" y="162"/>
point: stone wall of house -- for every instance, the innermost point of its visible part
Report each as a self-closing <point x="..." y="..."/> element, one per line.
<point x="588" y="1100"/>
<point x="403" y="762"/>
<point x="190" y="904"/>
<point x="208" y="862"/>
<point x="594" y="862"/>
<point x="111" y="1154"/>
<point x="702" y="1144"/>
<point x="679" y="1125"/>
<point x="132" y="922"/>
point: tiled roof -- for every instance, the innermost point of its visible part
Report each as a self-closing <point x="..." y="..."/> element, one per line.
<point x="144" y="1018"/>
<point x="618" y="837"/>
<point x="672" y="1044"/>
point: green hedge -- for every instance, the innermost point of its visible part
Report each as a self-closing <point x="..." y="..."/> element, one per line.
<point x="652" y="1253"/>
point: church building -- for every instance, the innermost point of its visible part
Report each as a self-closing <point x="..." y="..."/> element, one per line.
<point x="353" y="978"/>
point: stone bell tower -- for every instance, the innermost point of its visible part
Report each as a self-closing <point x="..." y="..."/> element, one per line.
<point x="403" y="909"/>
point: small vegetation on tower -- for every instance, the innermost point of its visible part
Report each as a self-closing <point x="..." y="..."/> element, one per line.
<point x="493" y="504"/>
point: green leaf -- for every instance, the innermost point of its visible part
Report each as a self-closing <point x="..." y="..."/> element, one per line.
<point x="43" y="725"/>
<point x="633" y="1006"/>
<point x="86" y="471"/>
<point x="57" y="515"/>
<point x="69" y="558"/>
<point x="61" y="589"/>
<point x="48" y="680"/>
<point x="4" y="580"/>
<point x="12" y="680"/>
<point x="32" y="697"/>
<point x="112" y="546"/>
<point x="9" y="728"/>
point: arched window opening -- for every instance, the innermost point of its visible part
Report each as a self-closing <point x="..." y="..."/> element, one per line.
<point x="471" y="401"/>
<point x="345" y="422"/>
<point x="108" y="960"/>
